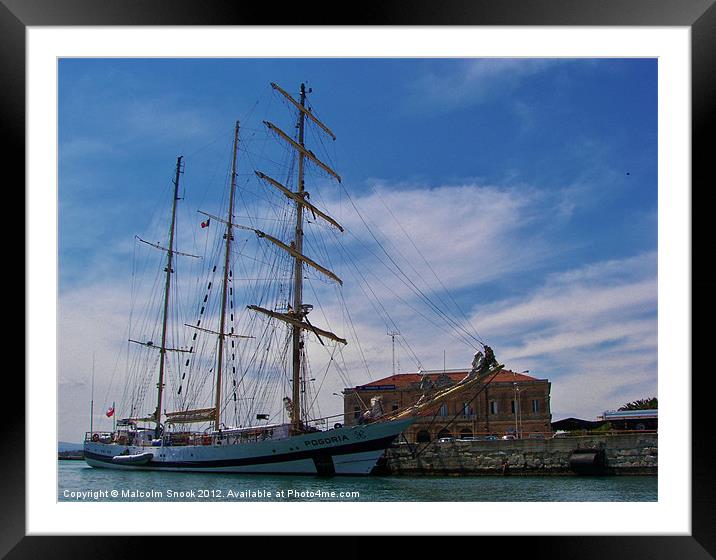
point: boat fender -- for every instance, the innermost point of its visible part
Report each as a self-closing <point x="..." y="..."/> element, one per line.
<point x="95" y="437"/>
<point x="337" y="425"/>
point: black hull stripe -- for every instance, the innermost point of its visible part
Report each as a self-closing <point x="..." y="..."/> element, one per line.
<point x="360" y="447"/>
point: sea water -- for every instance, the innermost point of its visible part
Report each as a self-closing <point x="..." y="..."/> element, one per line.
<point x="79" y="482"/>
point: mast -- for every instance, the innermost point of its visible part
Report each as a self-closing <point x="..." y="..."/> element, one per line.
<point x="92" y="399"/>
<point x="296" y="316"/>
<point x="167" y="286"/>
<point x="298" y="274"/>
<point x="225" y="285"/>
<point x="392" y="335"/>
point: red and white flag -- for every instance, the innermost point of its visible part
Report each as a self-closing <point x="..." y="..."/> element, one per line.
<point x="206" y="223"/>
<point x="110" y="411"/>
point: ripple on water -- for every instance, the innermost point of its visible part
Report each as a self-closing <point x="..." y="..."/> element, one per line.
<point x="76" y="476"/>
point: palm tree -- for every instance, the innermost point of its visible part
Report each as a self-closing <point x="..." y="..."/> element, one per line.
<point x="642" y="404"/>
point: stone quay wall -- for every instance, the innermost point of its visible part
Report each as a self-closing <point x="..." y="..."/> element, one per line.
<point x="624" y="454"/>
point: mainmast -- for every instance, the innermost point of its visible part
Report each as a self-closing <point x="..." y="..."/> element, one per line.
<point x="167" y="286"/>
<point x="296" y="317"/>
<point x="298" y="274"/>
<point x="225" y="285"/>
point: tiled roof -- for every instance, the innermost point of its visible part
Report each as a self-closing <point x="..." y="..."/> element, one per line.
<point x="402" y="380"/>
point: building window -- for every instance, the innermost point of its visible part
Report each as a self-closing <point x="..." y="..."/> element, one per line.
<point x="535" y="405"/>
<point x="493" y="407"/>
<point x="394" y="407"/>
<point x="467" y="410"/>
<point x="443" y="410"/>
<point x="513" y="406"/>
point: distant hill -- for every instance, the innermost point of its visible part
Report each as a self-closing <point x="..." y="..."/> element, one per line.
<point x="65" y="446"/>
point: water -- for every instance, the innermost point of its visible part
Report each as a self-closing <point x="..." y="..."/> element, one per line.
<point x="89" y="484"/>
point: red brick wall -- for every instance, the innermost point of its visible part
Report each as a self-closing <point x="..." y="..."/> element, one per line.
<point x="480" y="422"/>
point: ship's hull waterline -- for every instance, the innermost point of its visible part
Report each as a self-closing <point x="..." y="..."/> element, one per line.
<point x="351" y="450"/>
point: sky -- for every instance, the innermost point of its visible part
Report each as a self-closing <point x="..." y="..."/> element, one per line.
<point x="521" y="193"/>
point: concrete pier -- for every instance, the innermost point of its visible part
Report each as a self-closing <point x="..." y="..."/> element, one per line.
<point x="622" y="454"/>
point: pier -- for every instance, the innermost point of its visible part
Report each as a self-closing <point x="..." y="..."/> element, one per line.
<point x="607" y="454"/>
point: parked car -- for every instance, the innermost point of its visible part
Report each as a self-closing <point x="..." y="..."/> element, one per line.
<point x="509" y="436"/>
<point x="560" y="434"/>
<point x="491" y="438"/>
<point x="446" y="439"/>
<point x="536" y="436"/>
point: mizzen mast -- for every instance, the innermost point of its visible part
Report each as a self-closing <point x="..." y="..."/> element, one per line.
<point x="225" y="284"/>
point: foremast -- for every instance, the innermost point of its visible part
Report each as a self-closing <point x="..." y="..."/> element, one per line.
<point x="298" y="312"/>
<point x="296" y="317"/>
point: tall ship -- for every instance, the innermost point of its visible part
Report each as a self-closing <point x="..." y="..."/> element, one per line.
<point x="230" y="390"/>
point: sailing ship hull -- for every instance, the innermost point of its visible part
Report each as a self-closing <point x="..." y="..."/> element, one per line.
<point x="351" y="450"/>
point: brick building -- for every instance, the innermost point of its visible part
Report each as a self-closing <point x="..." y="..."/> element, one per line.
<point x="512" y="403"/>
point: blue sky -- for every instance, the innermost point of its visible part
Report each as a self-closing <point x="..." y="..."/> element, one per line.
<point x="529" y="184"/>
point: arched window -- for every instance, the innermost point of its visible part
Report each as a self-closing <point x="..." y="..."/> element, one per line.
<point x="423" y="436"/>
<point x="465" y="432"/>
<point x="444" y="433"/>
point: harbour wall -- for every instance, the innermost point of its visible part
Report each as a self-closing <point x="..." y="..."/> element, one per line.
<point x="618" y="454"/>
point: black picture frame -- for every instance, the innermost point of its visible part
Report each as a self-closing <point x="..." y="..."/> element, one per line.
<point x="698" y="15"/>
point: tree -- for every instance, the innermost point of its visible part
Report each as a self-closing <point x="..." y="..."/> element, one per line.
<point x="642" y="404"/>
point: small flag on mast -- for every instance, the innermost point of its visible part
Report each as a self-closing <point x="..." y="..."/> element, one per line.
<point x="110" y="411"/>
<point x="206" y="223"/>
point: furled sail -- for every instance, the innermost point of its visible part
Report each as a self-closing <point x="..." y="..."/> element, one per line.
<point x="307" y="153"/>
<point x="298" y="255"/>
<point x="304" y="110"/>
<point x="190" y="416"/>
<point x="288" y="248"/>
<point x="297" y="323"/>
<point x="300" y="198"/>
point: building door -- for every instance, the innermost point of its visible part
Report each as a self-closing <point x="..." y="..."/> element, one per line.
<point x="423" y="436"/>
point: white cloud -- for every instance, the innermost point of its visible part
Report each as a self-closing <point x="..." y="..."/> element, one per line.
<point x="85" y="147"/>
<point x="591" y="330"/>
<point x="470" y="233"/>
<point x="472" y="82"/>
<point x="570" y="305"/>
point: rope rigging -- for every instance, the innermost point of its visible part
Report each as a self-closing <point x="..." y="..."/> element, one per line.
<point x="257" y="370"/>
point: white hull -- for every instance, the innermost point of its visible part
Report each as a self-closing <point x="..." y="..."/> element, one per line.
<point x="352" y="450"/>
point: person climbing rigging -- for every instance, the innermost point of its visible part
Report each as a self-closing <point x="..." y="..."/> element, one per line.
<point x="481" y="364"/>
<point x="427" y="387"/>
<point x="490" y="360"/>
